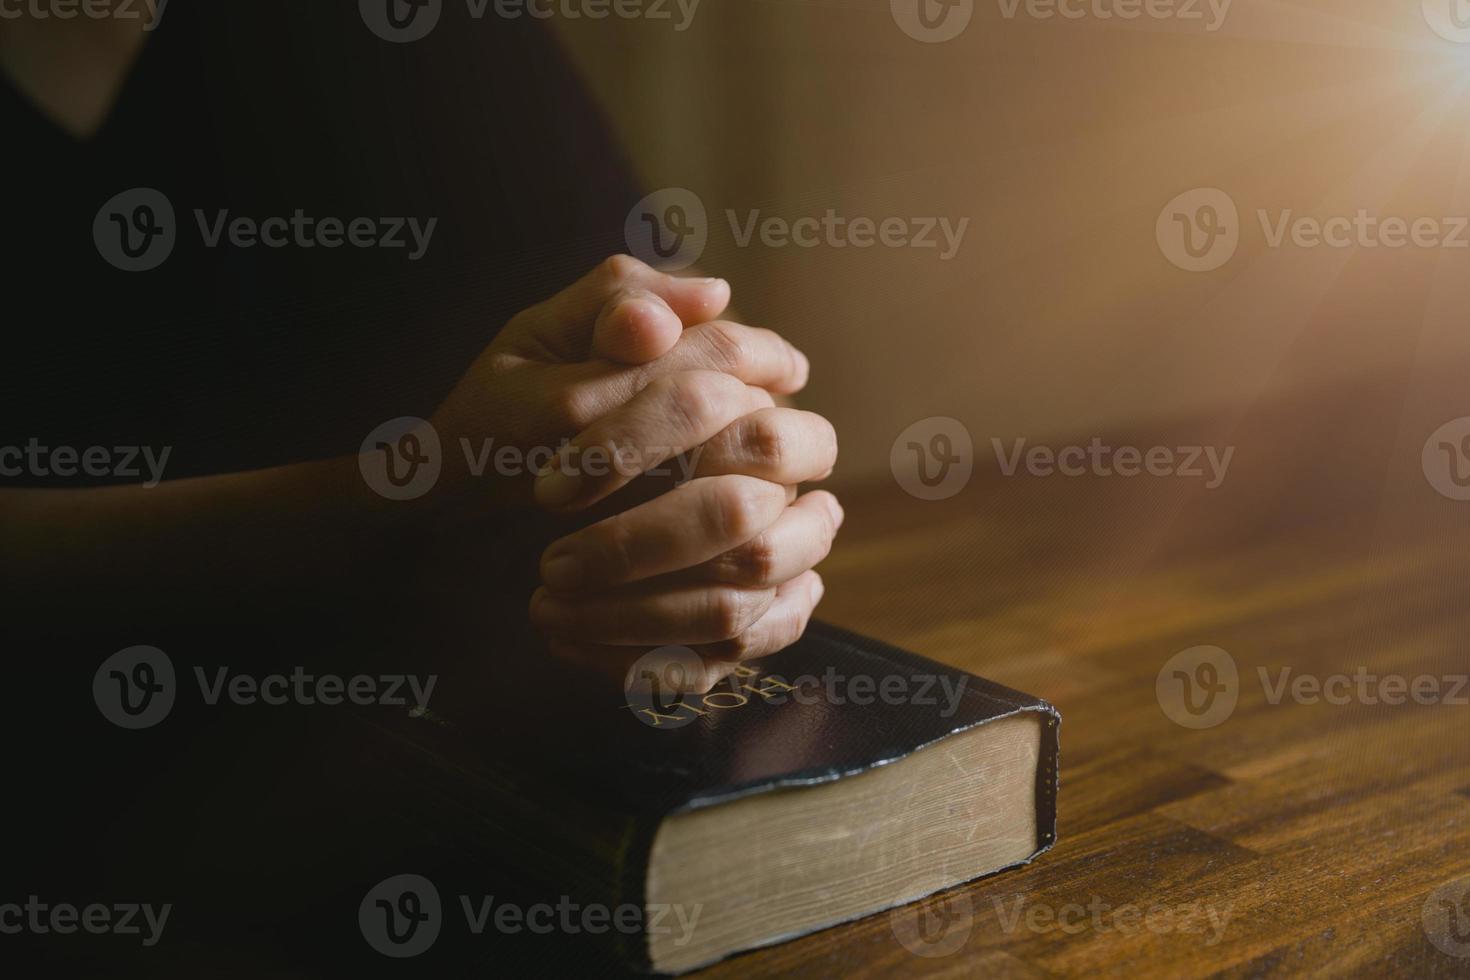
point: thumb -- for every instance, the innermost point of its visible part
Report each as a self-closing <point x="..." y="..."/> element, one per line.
<point x="624" y="311"/>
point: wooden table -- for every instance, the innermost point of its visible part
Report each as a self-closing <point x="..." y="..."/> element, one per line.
<point x="1321" y="830"/>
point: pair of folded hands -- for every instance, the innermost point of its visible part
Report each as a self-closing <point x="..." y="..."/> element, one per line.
<point x="635" y="367"/>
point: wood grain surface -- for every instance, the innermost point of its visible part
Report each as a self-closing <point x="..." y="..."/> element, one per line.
<point x="1323" y="838"/>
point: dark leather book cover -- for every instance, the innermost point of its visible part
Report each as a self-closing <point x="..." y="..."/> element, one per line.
<point x="569" y="782"/>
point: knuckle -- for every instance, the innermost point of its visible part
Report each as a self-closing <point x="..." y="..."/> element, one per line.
<point x="618" y="269"/>
<point x="765" y="441"/>
<point x="618" y="548"/>
<point x="571" y="407"/>
<point x="732" y="512"/>
<point x="690" y="399"/>
<point x="755" y="562"/>
<point x="790" y="628"/>
<point x="725" y="345"/>
<point x="731" y="611"/>
<point x="740" y="647"/>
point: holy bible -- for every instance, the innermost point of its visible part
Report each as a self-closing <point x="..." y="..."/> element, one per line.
<point x="839" y="778"/>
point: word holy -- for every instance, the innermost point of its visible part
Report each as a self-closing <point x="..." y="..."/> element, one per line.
<point x="837" y="232"/>
<point x="864" y="689"/>
<point x="1105" y="461"/>
<point x="1181" y="10"/>
<point x="308" y="232"/>
<point x="64" y="918"/>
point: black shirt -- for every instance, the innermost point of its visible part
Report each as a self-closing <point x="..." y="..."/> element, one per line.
<point x="239" y="357"/>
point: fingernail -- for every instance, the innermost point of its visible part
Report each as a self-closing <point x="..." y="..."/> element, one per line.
<point x="562" y="572"/>
<point x="709" y="282"/>
<point x="555" y="488"/>
<point x="838" y="514"/>
<point x="819" y="589"/>
<point x="805" y="366"/>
